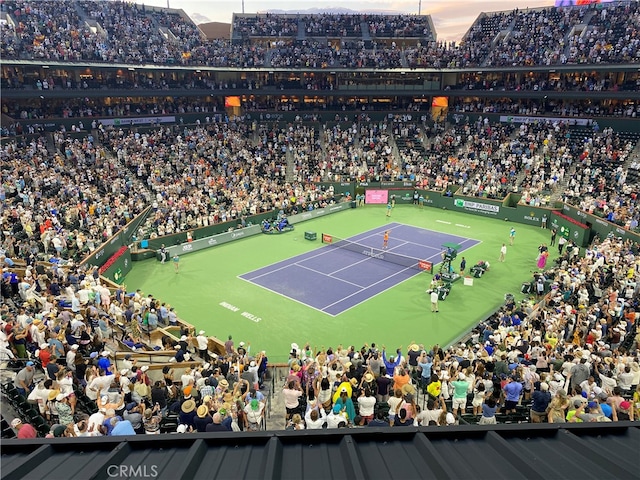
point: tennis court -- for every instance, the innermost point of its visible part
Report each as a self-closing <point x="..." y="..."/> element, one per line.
<point x="345" y="273"/>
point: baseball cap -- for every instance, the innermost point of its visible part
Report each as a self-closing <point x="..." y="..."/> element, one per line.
<point x="15" y="422"/>
<point x="30" y="364"/>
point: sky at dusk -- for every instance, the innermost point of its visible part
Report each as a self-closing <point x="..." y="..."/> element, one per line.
<point x="451" y="18"/>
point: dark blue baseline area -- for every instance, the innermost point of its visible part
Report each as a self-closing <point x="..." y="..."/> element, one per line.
<point x="333" y="279"/>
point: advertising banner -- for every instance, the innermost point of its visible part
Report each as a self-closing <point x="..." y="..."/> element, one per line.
<point x="583" y="122"/>
<point x="225" y="237"/>
<point x="479" y="208"/>
<point x="376" y="196"/>
<point x="119" y="266"/>
<point x="570" y="228"/>
<point x="202" y="243"/>
<point x="301" y="217"/>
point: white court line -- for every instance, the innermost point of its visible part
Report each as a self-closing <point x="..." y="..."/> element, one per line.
<point x="329" y="275"/>
<point x="321" y="251"/>
<point x="373" y="284"/>
<point x="440" y="231"/>
<point x="392" y="286"/>
<point x="361" y="261"/>
<point x="285" y="296"/>
<point x="350" y="265"/>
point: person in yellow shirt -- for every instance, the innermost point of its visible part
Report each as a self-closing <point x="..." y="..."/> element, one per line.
<point x="552" y="339"/>
<point x="434" y="389"/>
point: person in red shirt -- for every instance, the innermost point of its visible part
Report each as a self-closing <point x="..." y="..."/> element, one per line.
<point x="25" y="430"/>
<point x="45" y="354"/>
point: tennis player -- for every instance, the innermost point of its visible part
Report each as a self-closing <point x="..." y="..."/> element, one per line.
<point x="385" y="239"/>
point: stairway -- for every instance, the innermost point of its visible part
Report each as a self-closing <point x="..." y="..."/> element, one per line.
<point x="290" y="174"/>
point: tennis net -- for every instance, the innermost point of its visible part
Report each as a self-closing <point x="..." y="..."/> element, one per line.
<point x="403" y="260"/>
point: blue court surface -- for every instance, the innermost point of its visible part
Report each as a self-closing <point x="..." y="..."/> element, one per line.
<point x="339" y="276"/>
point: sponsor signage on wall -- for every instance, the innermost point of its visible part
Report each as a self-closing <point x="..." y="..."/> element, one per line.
<point x="477" y="207"/>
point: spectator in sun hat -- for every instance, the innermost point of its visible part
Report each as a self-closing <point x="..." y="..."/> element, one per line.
<point x="413" y="354"/>
<point x="202" y="418"/>
<point x="188" y="412"/>
<point x="368" y="380"/>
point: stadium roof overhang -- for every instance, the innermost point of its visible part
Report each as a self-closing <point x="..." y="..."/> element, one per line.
<point x="532" y="451"/>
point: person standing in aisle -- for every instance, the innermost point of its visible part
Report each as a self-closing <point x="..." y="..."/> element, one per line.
<point x="434" y="301"/>
<point x="561" y="243"/>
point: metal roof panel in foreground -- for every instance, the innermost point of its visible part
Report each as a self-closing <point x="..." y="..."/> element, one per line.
<point x="543" y="451"/>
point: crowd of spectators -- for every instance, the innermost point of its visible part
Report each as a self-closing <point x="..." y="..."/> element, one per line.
<point x="64" y="323"/>
<point x="536" y="38"/>
<point x="569" y="355"/>
<point x="267" y="25"/>
<point x="611" y="38"/>
<point x="215" y="173"/>
<point x="316" y="54"/>
<point x="555" y="108"/>
<point x="64" y="204"/>
<point x="120" y="32"/>
<point x="230" y="170"/>
<point x="599" y="185"/>
<point x="572" y="357"/>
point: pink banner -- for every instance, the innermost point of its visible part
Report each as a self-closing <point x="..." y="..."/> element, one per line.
<point x="376" y="196"/>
